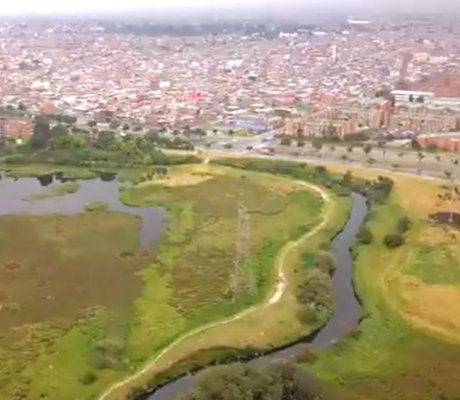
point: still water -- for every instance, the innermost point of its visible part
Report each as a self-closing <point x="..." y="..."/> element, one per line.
<point x="13" y="193"/>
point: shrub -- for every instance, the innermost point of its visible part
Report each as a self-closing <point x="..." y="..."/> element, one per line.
<point x="393" y="240"/>
<point x="320" y="169"/>
<point x="403" y="225"/>
<point x="365" y="235"/>
<point x="88" y="378"/>
<point x="307" y="315"/>
<point x="314" y="289"/>
<point x="326" y="263"/>
<point x="305" y="356"/>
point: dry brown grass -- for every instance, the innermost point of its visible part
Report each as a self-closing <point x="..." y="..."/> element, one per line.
<point x="435" y="308"/>
<point x="179" y="179"/>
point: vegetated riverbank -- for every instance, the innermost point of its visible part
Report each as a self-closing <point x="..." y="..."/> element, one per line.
<point x="346" y="311"/>
<point x="409" y="338"/>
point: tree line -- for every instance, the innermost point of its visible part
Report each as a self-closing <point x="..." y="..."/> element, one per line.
<point x="62" y="144"/>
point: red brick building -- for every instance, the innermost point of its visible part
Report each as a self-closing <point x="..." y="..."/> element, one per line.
<point x="447" y="142"/>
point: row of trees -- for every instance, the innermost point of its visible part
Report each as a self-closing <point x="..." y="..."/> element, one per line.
<point x="73" y="146"/>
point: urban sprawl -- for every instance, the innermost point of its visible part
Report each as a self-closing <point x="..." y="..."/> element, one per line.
<point x="401" y="82"/>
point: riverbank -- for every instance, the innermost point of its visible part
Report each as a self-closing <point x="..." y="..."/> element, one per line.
<point x="217" y="335"/>
<point x="347" y="313"/>
<point x="409" y="337"/>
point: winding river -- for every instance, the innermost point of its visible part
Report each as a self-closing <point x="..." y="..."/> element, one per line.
<point x="13" y="193"/>
<point x="347" y="308"/>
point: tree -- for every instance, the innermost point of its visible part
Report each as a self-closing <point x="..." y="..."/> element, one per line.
<point x="393" y="240"/>
<point x="350" y="149"/>
<point x="411" y="98"/>
<point x="331" y="131"/>
<point x="285" y="141"/>
<point x="41" y="133"/>
<point x="262" y="382"/>
<point x="347" y="178"/>
<point x="365" y="235"/>
<point x="370" y="161"/>
<point x="114" y="124"/>
<point x="420" y="157"/>
<point x="92" y="124"/>
<point x="105" y="140"/>
<point x="450" y="182"/>
<point x="382" y="145"/>
<point x="59" y="131"/>
<point x="420" y="99"/>
<point x="317" y="144"/>
<point x="367" y="149"/>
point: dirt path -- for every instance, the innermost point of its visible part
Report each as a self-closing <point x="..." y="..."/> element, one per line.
<point x="273" y="299"/>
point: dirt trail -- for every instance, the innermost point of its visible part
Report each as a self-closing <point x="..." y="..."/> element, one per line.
<point x="273" y="299"/>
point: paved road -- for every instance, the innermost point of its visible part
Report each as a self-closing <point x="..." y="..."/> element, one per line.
<point x="392" y="160"/>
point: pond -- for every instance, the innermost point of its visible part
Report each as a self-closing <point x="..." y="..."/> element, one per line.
<point x="14" y="191"/>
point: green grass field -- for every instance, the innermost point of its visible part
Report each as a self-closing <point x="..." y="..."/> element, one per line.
<point x="195" y="260"/>
<point x="401" y="350"/>
<point x="82" y="306"/>
<point x="63" y="291"/>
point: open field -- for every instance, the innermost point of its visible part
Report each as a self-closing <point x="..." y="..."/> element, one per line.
<point x="60" y="297"/>
<point x="81" y="329"/>
<point x="411" y="334"/>
<point x="55" y="191"/>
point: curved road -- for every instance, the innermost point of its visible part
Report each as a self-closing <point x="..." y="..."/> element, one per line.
<point x="273" y="299"/>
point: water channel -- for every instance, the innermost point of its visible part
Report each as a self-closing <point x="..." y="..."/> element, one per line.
<point x="347" y="308"/>
<point x="13" y="194"/>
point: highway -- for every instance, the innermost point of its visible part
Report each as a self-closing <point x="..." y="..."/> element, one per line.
<point x="401" y="160"/>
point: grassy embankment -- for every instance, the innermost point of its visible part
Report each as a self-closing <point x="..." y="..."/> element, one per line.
<point x="269" y="230"/>
<point x="100" y="338"/>
<point x="407" y="347"/>
<point x="55" y="191"/>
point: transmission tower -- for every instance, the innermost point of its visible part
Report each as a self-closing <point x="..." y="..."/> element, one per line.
<point x="242" y="279"/>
